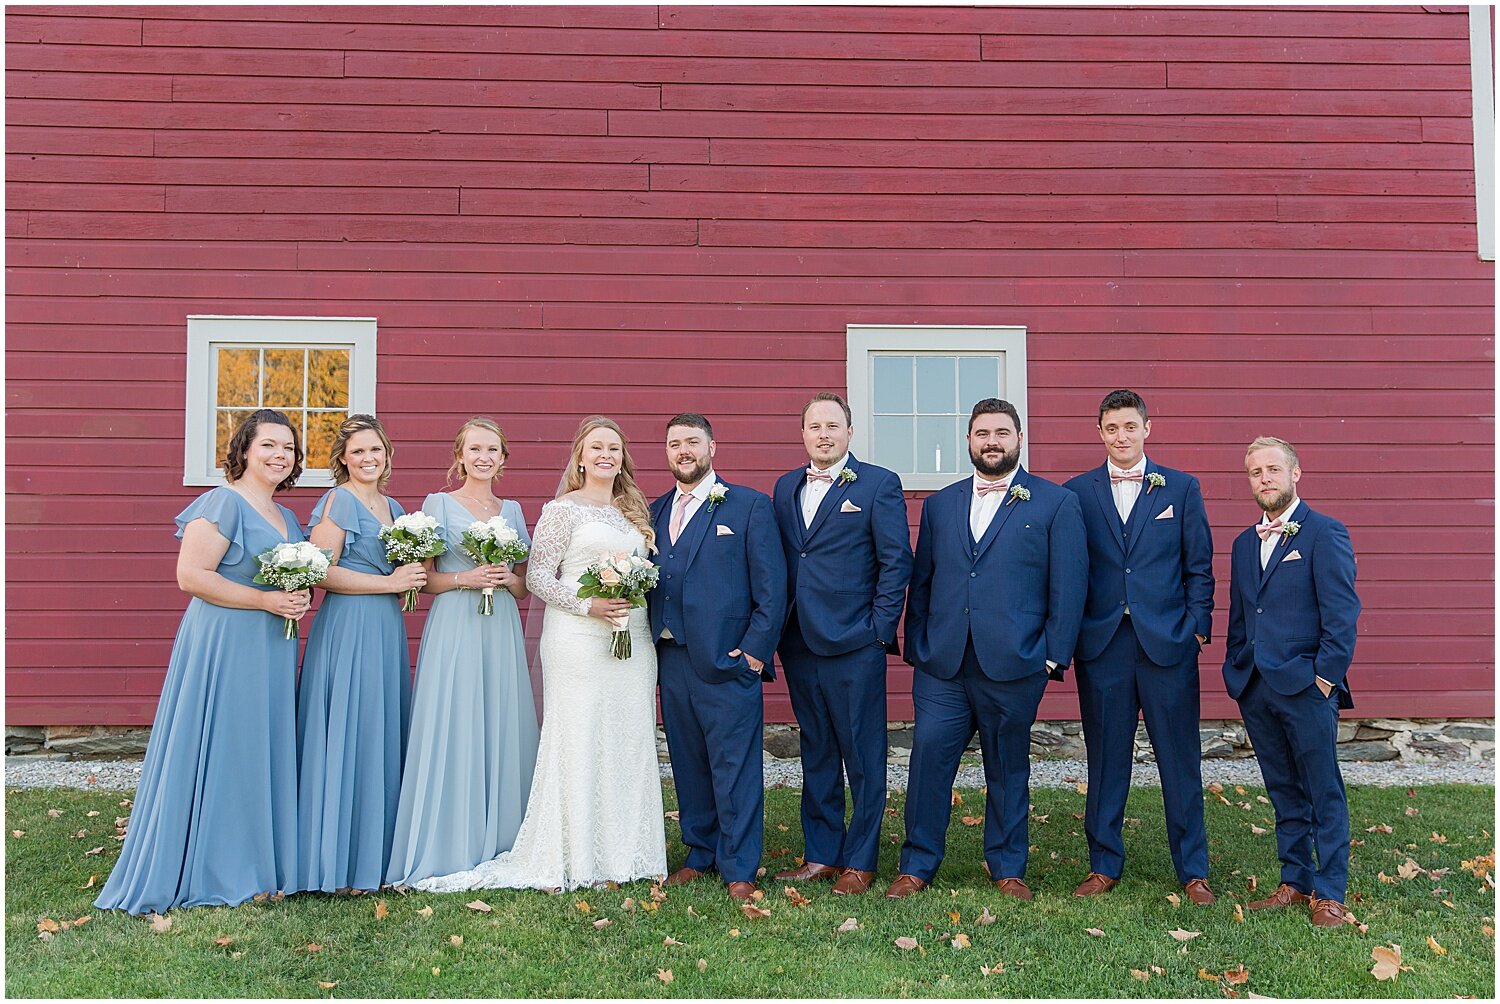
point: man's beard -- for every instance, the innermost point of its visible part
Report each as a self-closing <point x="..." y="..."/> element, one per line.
<point x="693" y="476"/>
<point x="995" y="468"/>
<point x="1280" y="502"/>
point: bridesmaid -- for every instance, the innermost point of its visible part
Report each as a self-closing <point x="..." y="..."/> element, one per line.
<point x="215" y="815"/>
<point x="354" y="695"/>
<point x="473" y="742"/>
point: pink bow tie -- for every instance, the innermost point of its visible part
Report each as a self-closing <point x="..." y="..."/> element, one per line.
<point x="983" y="488"/>
<point x="1115" y="477"/>
<point x="1268" y="530"/>
<point x="813" y="474"/>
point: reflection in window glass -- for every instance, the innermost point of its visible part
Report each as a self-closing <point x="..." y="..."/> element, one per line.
<point x="239" y="377"/>
<point x="328" y="378"/>
<point x="937" y="444"/>
<point x="284" y="369"/>
<point x="920" y="408"/>
<point x="310" y="385"/>
<point x="229" y="419"/>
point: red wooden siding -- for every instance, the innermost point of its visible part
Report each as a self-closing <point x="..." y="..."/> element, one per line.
<point x="1262" y="219"/>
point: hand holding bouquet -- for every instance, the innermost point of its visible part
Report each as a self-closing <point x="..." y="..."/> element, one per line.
<point x="292" y="567"/>
<point x="412" y="537"/>
<point x="619" y="576"/>
<point x="492" y="541"/>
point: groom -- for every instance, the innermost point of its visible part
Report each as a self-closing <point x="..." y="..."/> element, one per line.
<point x="716" y="615"/>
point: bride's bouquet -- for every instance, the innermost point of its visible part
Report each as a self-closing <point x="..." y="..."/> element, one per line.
<point x="290" y="567"/>
<point x="619" y="576"/>
<point x="412" y="537"/>
<point x="492" y="541"/>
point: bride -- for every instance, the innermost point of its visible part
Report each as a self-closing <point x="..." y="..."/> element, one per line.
<point x="595" y="811"/>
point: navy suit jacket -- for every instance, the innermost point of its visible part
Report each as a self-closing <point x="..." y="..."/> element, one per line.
<point x="734" y="590"/>
<point x="1159" y="564"/>
<point x="1298" y="618"/>
<point x="847" y="572"/>
<point x="1019" y="591"/>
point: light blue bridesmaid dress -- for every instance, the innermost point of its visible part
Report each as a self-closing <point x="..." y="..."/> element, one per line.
<point x="215" y="815"/>
<point x="353" y="703"/>
<point x="472" y="749"/>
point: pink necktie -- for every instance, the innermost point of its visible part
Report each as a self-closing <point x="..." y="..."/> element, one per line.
<point x="985" y="487"/>
<point x="1115" y="477"/>
<point x="678" y="512"/>
<point x="1268" y="530"/>
<point x="813" y="474"/>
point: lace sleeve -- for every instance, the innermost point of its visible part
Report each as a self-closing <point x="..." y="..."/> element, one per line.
<point x="554" y="529"/>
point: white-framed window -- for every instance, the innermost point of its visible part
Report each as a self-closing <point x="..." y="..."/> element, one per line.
<point x="911" y="388"/>
<point x="314" y="369"/>
<point x="1482" y="74"/>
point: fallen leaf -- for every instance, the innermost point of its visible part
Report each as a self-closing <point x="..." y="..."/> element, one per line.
<point x="92" y="852"/>
<point x="906" y="944"/>
<point x="311" y="948"/>
<point x="1259" y="831"/>
<point x="1263" y="800"/>
<point x="1239" y="914"/>
<point x="665" y="975"/>
<point x="160" y="924"/>
<point x="1096" y="932"/>
<point x="693" y="913"/>
<point x="671" y="942"/>
<point x="1237" y="975"/>
<point x="1158" y="970"/>
<point x="1437" y="838"/>
<point x="994" y="970"/>
<point x="957" y="798"/>
<point x="456" y="940"/>
<point x="1409" y="869"/>
<point x="602" y="923"/>
<point x="479" y="906"/>
<point x="18" y="834"/>
<point x="1204" y="974"/>
<point x="960" y="941"/>
<point x="380" y="910"/>
<point x="650" y="906"/>
<point x="659" y="895"/>
<point x="1216" y="787"/>
<point x="1239" y="789"/>
<point x="971" y="820"/>
<point x="753" y="912"/>
<point x="1140" y="974"/>
<point x="628" y="905"/>
<point x="734" y="932"/>
<point x="1252" y="882"/>
<point x="1432" y="944"/>
<point x="582" y="906"/>
<point x="796" y="897"/>
<point x="79" y="835"/>
<point x="674" y="815"/>
<point x="91" y="813"/>
<point x="954" y="915"/>
<point x="328" y="984"/>
<point x="47" y="925"/>
<point x="1412" y="810"/>
<point x="1379" y="828"/>
<point x="1180" y="935"/>
<point x="702" y="965"/>
<point x="1174" y="899"/>
<point x="1489" y="932"/>
<point x="782" y="827"/>
<point x="849" y="924"/>
<point x="1082" y="787"/>
<point x="757" y="895"/>
<point x="1387" y="962"/>
<point x="1042" y="819"/>
<point x="985" y="918"/>
<point x="426" y="911"/>
<point x="436" y="970"/>
<point x="224" y="942"/>
<point x="1450" y="904"/>
<point x="54" y="813"/>
<point x="90" y="883"/>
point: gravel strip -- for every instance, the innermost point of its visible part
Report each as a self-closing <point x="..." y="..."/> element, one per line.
<point x="123" y="775"/>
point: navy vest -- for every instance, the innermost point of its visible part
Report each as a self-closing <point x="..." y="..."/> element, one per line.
<point x="673" y="560"/>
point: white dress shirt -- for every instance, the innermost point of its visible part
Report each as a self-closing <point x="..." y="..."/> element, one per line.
<point x="814" y="491"/>
<point x="982" y="509"/>
<point x="1126" y="492"/>
<point x="1268" y="546"/>
<point x="697" y="496"/>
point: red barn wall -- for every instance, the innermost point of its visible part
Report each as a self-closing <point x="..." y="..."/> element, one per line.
<point x="1262" y="219"/>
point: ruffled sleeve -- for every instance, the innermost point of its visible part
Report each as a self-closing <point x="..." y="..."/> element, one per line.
<point x="553" y="532"/>
<point x="223" y="508"/>
<point x="342" y="510"/>
<point x="511" y="510"/>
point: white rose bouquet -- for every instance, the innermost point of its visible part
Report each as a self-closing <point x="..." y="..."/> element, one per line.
<point x="492" y="541"/>
<point x="290" y="567"/>
<point x="619" y="576"/>
<point x="412" y="537"/>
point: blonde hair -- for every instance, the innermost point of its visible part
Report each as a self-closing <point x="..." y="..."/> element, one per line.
<point x="478" y="422"/>
<point x="625" y="495"/>
<point x="1270" y="442"/>
<point x="351" y="425"/>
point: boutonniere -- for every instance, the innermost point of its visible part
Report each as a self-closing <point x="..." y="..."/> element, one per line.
<point x="1019" y="492"/>
<point x="1154" y="480"/>
<point x="846" y="476"/>
<point x="716" y="494"/>
<point x="1289" y="530"/>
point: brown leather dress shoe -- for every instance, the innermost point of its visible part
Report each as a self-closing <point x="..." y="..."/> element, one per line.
<point x="1198" y="891"/>
<point x="682" y="876"/>
<point x="1328" y="913"/>
<point x="904" y="885"/>
<point x="810" y="872"/>
<point x="853" y="882"/>
<point x="1284" y="896"/>
<point x="742" y="891"/>
<point x="1095" y="884"/>
<point x="1013" y="887"/>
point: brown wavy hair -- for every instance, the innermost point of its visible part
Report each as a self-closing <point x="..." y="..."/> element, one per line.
<point x="477" y="422"/>
<point x="625" y="495"/>
<point x="354" y="424"/>
<point x="244" y="435"/>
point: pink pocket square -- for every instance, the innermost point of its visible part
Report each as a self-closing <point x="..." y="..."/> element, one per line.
<point x="1293" y="556"/>
<point x="723" y="531"/>
<point x="1165" y="513"/>
<point x="849" y="507"/>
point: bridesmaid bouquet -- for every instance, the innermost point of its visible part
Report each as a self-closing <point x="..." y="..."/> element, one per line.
<point x="290" y="567"/>
<point x="492" y="541"/>
<point x="619" y="576"/>
<point x="412" y="537"/>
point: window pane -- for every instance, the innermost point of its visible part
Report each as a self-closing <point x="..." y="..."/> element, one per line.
<point x="328" y="378"/>
<point x="891" y="392"/>
<point x="936" y="385"/>
<point x="239" y="378"/>
<point x="978" y="378"/>
<point x="891" y="443"/>
<point x="322" y="428"/>
<point x="938" y="445"/>
<point x="284" y="377"/>
<point x="228" y="419"/>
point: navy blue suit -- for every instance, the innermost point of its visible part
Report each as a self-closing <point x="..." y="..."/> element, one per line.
<point x="1289" y="623"/>
<point x="722" y="588"/>
<point x="846" y="586"/>
<point x="983" y="618"/>
<point x="1159" y="566"/>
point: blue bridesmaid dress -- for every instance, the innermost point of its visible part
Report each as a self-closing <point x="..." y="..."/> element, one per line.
<point x="472" y="751"/>
<point x="353" y="704"/>
<point x="215" y="815"/>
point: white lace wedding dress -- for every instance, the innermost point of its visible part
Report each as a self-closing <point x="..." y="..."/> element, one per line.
<point x="595" y="809"/>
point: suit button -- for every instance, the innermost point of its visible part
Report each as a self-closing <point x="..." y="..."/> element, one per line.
<point x="1127" y="571"/>
<point x="966" y="609"/>
<point x="976" y="554"/>
<point x="1122" y="602"/>
<point x="1259" y="610"/>
<point x="804" y="554"/>
<point x="973" y="575"/>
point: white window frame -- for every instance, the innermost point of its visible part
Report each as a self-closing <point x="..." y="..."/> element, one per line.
<point x="865" y="340"/>
<point x="206" y="333"/>
<point x="1482" y="73"/>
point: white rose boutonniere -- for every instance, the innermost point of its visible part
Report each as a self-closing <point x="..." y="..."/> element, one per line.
<point x="1154" y="480"/>
<point x="1289" y="530"/>
<point x="1018" y="492"/>
<point x="847" y="477"/>
<point x="718" y="493"/>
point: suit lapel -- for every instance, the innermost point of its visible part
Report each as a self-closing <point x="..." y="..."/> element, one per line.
<point x="795" y="516"/>
<point x="1283" y="545"/>
<point x="1145" y="509"/>
<point x="1105" y="493"/>
<point x="831" y="501"/>
<point x="698" y="527"/>
<point x="1002" y="514"/>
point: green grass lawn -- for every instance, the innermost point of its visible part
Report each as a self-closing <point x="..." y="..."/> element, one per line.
<point x="536" y="945"/>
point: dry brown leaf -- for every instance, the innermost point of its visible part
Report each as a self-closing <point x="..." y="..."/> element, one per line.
<point x="381" y="912"/>
<point x="955" y="915"/>
<point x="93" y="852"/>
<point x="437" y="970"/>
<point x="960" y="941"/>
<point x="328" y="984"/>
<point x="702" y="965"/>
<point x="456" y="940"/>
<point x="602" y="923"/>
<point x="1379" y="828"/>
<point x="1387" y="962"/>
<point x="754" y="912"/>
<point x="650" y="906"/>
<point x="692" y="912"/>
<point x="971" y="820"/>
<point x="906" y="944"/>
<point x="1174" y="899"/>
<point x="1237" y="975"/>
<point x="582" y="906"/>
<point x="757" y="894"/>
<point x="671" y="942"/>
<point x="47" y="926"/>
<point x="1259" y="831"/>
<point x="224" y="942"/>
<point x="985" y="918"/>
<point x="1239" y="789"/>
<point x="479" y="906"/>
<point x="1096" y="932"/>
<point x="1041" y="819"/>
<point x="90" y="883"/>
<point x="1437" y="838"/>
<point x="665" y="975"/>
<point x="628" y="905"/>
<point x="1450" y="904"/>
<point x="1489" y="932"/>
<point x="957" y="798"/>
<point x="1204" y="974"/>
<point x="160" y="924"/>
<point x="1158" y="970"/>
<point x="79" y="835"/>
<point x="1252" y="882"/>
<point x="1263" y="800"/>
<point x="734" y="932"/>
<point x="311" y="948"/>
<point x="849" y="924"/>
<point x="673" y="815"/>
<point x="994" y="970"/>
<point x="91" y="813"/>
<point x="1432" y="944"/>
<point x="1409" y="869"/>
<point x="1388" y="880"/>
<point x="782" y="827"/>
<point x="658" y="894"/>
<point x="18" y="834"/>
<point x="1180" y="935"/>
<point x="1140" y="974"/>
<point x="426" y="911"/>
<point x="1239" y="914"/>
<point x="1082" y="787"/>
<point x="1412" y="810"/>
<point x="1216" y="787"/>
<point x="796" y="897"/>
